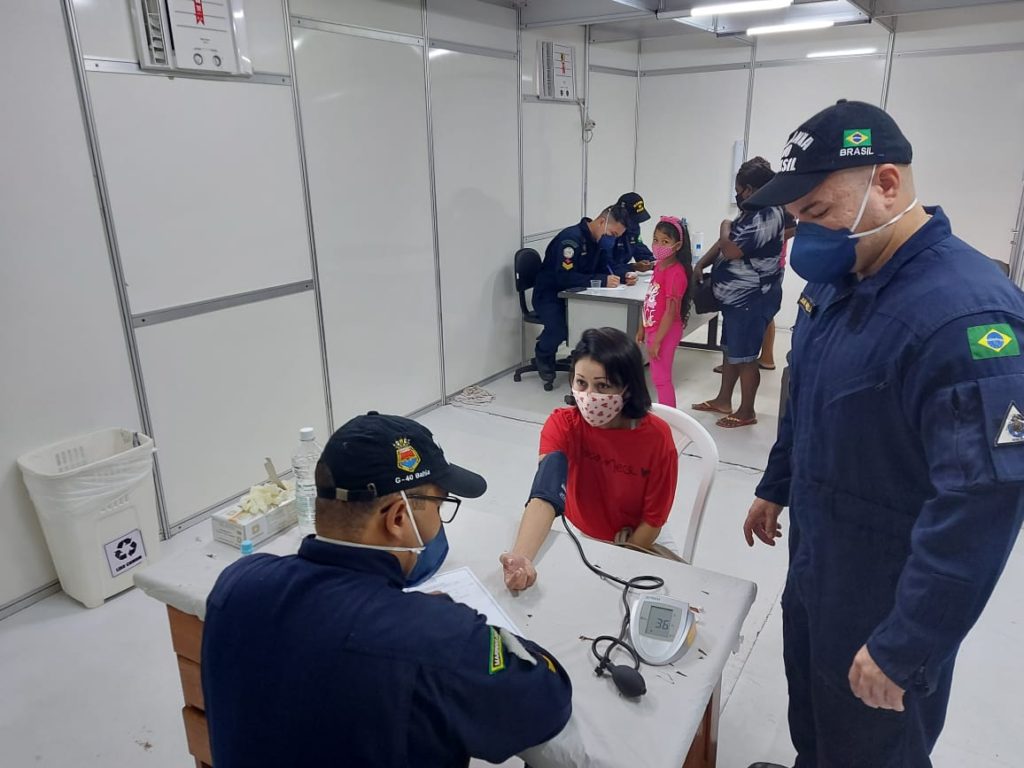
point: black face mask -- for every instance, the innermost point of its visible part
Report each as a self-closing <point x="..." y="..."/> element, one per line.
<point x="739" y="199"/>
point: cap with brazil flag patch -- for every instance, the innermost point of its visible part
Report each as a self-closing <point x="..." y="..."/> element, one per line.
<point x="996" y="340"/>
<point x="849" y="134"/>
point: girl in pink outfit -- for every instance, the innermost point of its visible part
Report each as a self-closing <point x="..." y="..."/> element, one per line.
<point x="667" y="304"/>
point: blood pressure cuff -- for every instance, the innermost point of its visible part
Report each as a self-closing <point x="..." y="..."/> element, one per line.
<point x="549" y="482"/>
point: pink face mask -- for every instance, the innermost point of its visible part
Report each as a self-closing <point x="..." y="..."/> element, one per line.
<point x="598" y="409"/>
<point x="662" y="252"/>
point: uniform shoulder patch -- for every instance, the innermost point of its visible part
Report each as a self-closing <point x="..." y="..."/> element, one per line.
<point x="497" y="654"/>
<point x="995" y="340"/>
<point x="569" y="248"/>
<point x="1012" y="430"/>
<point x="516" y="648"/>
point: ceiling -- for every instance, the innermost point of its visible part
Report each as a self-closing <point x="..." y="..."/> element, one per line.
<point x="612" y="20"/>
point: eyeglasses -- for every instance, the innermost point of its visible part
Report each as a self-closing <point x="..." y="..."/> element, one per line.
<point x="447" y="506"/>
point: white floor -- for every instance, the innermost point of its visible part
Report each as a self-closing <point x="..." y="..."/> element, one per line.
<point x="99" y="687"/>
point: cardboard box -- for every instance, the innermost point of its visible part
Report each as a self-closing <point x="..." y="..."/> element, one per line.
<point x="232" y="527"/>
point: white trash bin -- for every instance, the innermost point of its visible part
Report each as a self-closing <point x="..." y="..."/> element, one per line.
<point x="96" y="501"/>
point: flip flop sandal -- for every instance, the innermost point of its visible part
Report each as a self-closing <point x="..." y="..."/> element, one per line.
<point x="731" y="422"/>
<point x="717" y="369"/>
<point x="764" y="367"/>
<point x="707" y="407"/>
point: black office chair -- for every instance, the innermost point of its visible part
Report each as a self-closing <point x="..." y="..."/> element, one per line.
<point x="527" y="264"/>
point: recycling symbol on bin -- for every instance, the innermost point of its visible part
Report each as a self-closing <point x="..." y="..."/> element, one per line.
<point x="125" y="549"/>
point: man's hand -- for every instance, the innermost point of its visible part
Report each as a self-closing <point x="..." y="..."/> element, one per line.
<point x="762" y="521"/>
<point x="519" y="571"/>
<point x="613" y="281"/>
<point x="630" y="279"/>
<point x="643" y="266"/>
<point x="871" y="685"/>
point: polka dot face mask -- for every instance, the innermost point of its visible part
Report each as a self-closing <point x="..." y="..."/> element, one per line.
<point x="597" y="408"/>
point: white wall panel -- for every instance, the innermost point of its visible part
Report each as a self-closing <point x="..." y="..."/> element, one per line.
<point x="622" y="55"/>
<point x="204" y="185"/>
<point x="697" y="49"/>
<point x="610" y="152"/>
<point x="552" y="166"/>
<point x="472" y="22"/>
<point x="786" y="96"/>
<point x="66" y="365"/>
<point x="225" y="390"/>
<point x="390" y="15"/>
<point x="367" y="155"/>
<point x="980" y="187"/>
<point x="688" y="124"/>
<point x="473" y="99"/>
<point x="984" y="25"/>
<point x="105" y="30"/>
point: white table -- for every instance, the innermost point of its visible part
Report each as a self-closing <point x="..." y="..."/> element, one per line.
<point x="567" y="605"/>
<point x="621" y="308"/>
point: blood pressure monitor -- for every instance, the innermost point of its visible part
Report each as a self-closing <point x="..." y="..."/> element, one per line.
<point x="661" y="628"/>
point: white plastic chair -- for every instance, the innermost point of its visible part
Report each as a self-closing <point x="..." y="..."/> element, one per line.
<point x="687" y="432"/>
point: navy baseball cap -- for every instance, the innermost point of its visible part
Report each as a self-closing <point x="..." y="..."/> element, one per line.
<point x="849" y="134"/>
<point x="636" y="207"/>
<point x="376" y="455"/>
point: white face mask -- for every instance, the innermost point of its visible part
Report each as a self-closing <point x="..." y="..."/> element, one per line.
<point x="855" y="235"/>
<point x="598" y="409"/>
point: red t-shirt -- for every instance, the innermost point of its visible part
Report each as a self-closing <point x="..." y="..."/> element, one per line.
<point x="618" y="478"/>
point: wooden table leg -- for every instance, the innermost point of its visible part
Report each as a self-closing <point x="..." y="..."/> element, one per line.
<point x="704" y="750"/>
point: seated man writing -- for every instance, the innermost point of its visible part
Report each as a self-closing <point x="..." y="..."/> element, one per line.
<point x="321" y="658"/>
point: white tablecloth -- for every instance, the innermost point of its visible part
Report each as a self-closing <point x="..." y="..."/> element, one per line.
<point x="566" y="607"/>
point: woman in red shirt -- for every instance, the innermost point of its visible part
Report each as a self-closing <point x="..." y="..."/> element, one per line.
<point x="622" y="460"/>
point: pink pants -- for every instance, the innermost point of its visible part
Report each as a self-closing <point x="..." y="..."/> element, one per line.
<point x="661" y="369"/>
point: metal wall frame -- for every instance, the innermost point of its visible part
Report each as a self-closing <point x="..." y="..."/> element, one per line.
<point x="110" y="233"/>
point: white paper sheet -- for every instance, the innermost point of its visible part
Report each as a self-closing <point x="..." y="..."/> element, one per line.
<point x="462" y="586"/>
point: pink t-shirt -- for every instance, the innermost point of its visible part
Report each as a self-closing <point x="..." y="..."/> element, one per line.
<point x="667" y="283"/>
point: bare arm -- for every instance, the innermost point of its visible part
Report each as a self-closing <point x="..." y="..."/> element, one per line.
<point x="644" y="536"/>
<point x="533" y="528"/>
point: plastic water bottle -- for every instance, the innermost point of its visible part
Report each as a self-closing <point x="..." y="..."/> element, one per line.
<point x="303" y="472"/>
<point x="698" y="247"/>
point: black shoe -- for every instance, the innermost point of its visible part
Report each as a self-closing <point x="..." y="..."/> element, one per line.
<point x="545" y="369"/>
<point x="767" y="765"/>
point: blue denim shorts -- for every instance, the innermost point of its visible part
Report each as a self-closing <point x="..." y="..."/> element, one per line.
<point x="743" y="327"/>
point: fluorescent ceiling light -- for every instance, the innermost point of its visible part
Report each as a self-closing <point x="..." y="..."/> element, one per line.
<point x="435" y="52"/>
<point x="792" y="26"/>
<point x="847" y="52"/>
<point x="746" y="6"/>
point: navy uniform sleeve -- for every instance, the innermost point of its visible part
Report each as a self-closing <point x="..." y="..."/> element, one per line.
<point x="567" y="271"/>
<point x="506" y="694"/>
<point x="638" y="250"/>
<point x="962" y="392"/>
<point x="774" y="485"/>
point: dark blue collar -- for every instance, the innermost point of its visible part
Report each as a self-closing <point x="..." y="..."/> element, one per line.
<point x="371" y="561"/>
<point x="936" y="229"/>
<point x="584" y="226"/>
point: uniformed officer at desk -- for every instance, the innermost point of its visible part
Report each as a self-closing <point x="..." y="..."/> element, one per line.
<point x="321" y="658"/>
<point x="901" y="453"/>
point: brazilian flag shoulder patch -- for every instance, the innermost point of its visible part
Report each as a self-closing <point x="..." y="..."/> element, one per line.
<point x="996" y="340"/>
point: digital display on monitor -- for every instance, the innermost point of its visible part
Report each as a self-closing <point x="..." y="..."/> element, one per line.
<point x="659" y="622"/>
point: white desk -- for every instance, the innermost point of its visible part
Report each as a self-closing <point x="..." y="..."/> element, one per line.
<point x="567" y="605"/>
<point x="621" y="308"/>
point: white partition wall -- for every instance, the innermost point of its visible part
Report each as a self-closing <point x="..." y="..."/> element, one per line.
<point x="963" y="114"/>
<point x="200" y="218"/>
<point x="552" y="142"/>
<point x="370" y="192"/>
<point x="66" y="369"/>
<point x="477" y="179"/>
<point x="688" y="125"/>
<point x="610" y="154"/>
